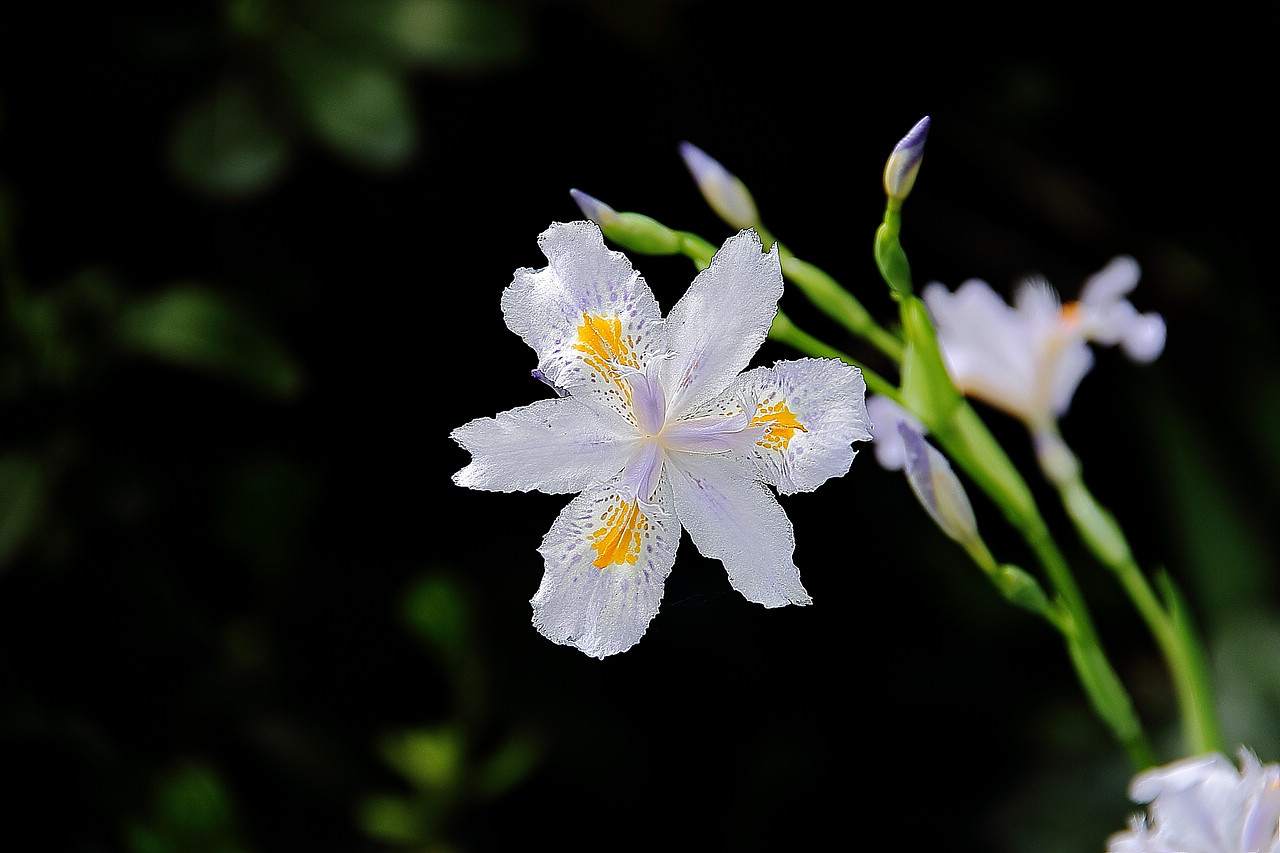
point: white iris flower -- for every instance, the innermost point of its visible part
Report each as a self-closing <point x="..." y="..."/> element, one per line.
<point x="657" y="429"/>
<point x="1203" y="804"/>
<point x="1028" y="358"/>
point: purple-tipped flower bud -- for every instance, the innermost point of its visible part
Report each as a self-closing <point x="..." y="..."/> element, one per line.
<point x="725" y="193"/>
<point x="633" y="231"/>
<point x="904" y="162"/>
<point x="937" y="487"/>
<point x="594" y="209"/>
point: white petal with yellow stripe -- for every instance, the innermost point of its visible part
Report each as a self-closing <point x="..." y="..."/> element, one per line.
<point x="606" y="558"/>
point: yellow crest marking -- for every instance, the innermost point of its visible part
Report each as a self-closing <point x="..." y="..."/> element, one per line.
<point x="781" y="425"/>
<point x="618" y="541"/>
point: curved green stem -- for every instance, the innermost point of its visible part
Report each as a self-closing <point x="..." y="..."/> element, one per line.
<point x="971" y="446"/>
<point x="1169" y="623"/>
<point x="787" y="332"/>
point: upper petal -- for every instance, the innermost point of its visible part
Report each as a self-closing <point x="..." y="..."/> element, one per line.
<point x="813" y="410"/>
<point x="606" y="558"/>
<point x="734" y="518"/>
<point x="720" y="322"/>
<point x="588" y="315"/>
<point x="554" y="446"/>
<point x="1111" y="283"/>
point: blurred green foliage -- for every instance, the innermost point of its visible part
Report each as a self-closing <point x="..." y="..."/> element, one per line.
<point x="191" y="812"/>
<point x="443" y="766"/>
<point x="338" y="72"/>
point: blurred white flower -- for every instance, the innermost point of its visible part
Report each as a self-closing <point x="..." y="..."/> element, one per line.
<point x="1028" y="358"/>
<point x="1203" y="804"/>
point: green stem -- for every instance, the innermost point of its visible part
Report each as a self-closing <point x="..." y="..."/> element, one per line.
<point x="839" y="304"/>
<point x="1170" y="624"/>
<point x="787" y="332"/>
<point x="971" y="446"/>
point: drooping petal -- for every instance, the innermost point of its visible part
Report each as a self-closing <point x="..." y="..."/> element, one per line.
<point x="813" y="410"/>
<point x="606" y="558"/>
<point x="734" y="518"/>
<point x="588" y="315"/>
<point x="720" y="322"/>
<point x="554" y="446"/>
<point x="1065" y="369"/>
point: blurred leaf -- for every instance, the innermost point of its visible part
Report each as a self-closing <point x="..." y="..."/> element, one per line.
<point x="22" y="496"/>
<point x="436" y="610"/>
<point x="391" y="819"/>
<point x="456" y="34"/>
<point x="191" y="813"/>
<point x="358" y="108"/>
<point x="193" y="800"/>
<point x="509" y="765"/>
<point x="226" y="145"/>
<point x="430" y="759"/>
<point x="192" y="326"/>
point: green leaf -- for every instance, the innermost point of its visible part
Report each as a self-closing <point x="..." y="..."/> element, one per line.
<point x="195" y="327"/>
<point x="432" y="759"/>
<point x="22" y="498"/>
<point x="453" y="34"/>
<point x="359" y="108"/>
<point x="392" y="819"/>
<point x="436" y="609"/>
<point x="509" y="765"/>
<point x="225" y="145"/>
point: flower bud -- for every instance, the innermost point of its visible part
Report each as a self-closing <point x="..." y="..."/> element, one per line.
<point x="727" y="195"/>
<point x="937" y="487"/>
<point x="904" y="162"/>
<point x="633" y="231"/>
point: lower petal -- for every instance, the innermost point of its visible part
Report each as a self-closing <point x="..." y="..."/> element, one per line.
<point x="607" y="556"/>
<point x="736" y="519"/>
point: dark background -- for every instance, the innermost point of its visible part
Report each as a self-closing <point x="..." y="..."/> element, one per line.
<point x="243" y="608"/>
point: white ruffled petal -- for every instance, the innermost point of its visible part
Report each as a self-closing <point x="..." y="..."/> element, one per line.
<point x="589" y="316"/>
<point x="734" y="518"/>
<point x="606" y="559"/>
<point x="554" y="446"/>
<point x="720" y="322"/>
<point x="812" y="410"/>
